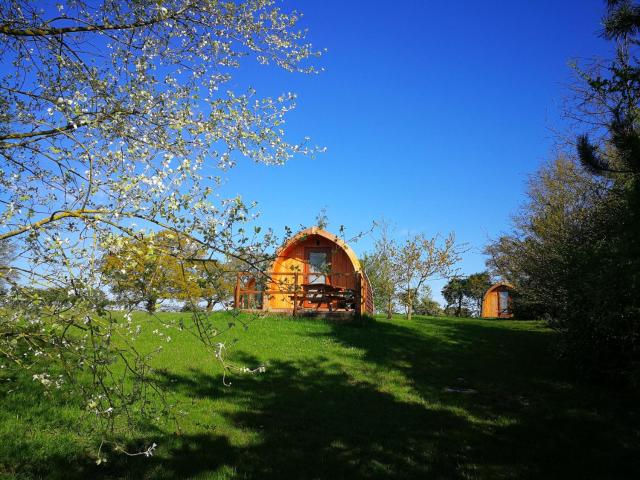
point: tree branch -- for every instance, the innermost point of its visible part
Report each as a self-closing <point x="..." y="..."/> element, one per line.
<point x="40" y="133"/>
<point x="6" y="29"/>
<point x="51" y="218"/>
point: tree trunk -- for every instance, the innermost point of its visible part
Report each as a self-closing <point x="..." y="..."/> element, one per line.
<point x="410" y="310"/>
<point x="150" y="303"/>
<point x="459" y="313"/>
<point x="389" y="308"/>
<point x="209" y="304"/>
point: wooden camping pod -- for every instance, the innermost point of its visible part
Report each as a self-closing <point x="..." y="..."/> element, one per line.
<point x="497" y="301"/>
<point x="312" y="261"/>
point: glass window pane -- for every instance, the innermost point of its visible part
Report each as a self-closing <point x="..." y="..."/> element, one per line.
<point x="317" y="263"/>
<point x="503" y="302"/>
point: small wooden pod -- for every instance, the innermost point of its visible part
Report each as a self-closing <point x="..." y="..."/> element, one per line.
<point x="497" y="301"/>
<point x="315" y="271"/>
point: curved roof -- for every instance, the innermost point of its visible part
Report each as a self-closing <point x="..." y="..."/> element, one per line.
<point x="329" y="236"/>
<point x="496" y="285"/>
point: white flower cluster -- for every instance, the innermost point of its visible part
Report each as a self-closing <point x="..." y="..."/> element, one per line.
<point x="45" y="380"/>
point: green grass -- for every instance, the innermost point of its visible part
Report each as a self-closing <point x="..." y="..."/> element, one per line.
<point x="431" y="398"/>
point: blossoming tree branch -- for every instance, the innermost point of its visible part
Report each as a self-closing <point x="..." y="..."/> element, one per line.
<point x="117" y="122"/>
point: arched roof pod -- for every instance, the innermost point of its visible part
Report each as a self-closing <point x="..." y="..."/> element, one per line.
<point x="493" y="287"/>
<point x="314" y="272"/>
<point x="303" y="234"/>
<point x="496" y="302"/>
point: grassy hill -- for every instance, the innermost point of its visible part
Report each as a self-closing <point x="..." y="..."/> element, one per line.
<point x="431" y="398"/>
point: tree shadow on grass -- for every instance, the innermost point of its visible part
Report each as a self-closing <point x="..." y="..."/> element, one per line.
<point x="493" y="403"/>
<point x="309" y="419"/>
<point x="531" y="418"/>
<point x="314" y="421"/>
<point x="317" y="418"/>
<point x="46" y="436"/>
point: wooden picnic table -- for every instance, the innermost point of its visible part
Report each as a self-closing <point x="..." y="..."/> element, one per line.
<point x="323" y="293"/>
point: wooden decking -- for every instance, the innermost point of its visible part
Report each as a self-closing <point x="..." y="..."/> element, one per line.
<point x="301" y="293"/>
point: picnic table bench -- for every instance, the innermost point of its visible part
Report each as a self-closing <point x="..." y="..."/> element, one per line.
<point x="322" y="293"/>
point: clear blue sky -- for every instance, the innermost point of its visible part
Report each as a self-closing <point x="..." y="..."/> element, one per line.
<point x="433" y="114"/>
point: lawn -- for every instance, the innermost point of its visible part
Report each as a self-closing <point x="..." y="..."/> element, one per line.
<point x="430" y="398"/>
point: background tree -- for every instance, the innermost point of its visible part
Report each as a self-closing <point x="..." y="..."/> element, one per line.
<point x="564" y="259"/>
<point x="464" y="295"/>
<point x="142" y="270"/>
<point x="379" y="267"/>
<point x="408" y="299"/>
<point x="216" y="282"/>
<point x="476" y="285"/>
<point x="423" y="304"/>
<point x="453" y="293"/>
<point x="117" y="119"/>
<point x="557" y="217"/>
<point x="417" y="260"/>
<point x="428" y="306"/>
<point x="153" y="267"/>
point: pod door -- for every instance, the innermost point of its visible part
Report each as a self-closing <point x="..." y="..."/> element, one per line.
<point x="317" y="266"/>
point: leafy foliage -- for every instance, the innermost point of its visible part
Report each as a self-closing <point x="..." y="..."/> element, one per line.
<point x="400" y="272"/>
<point x="453" y="293"/>
<point x="477" y="285"/>
<point x="426" y="305"/>
<point x="419" y="259"/>
<point x="464" y="295"/>
<point x="567" y="262"/>
<point x="164" y="266"/>
<point x="380" y="270"/>
<point x="117" y="120"/>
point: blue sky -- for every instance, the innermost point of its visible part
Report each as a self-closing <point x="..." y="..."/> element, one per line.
<point x="433" y="114"/>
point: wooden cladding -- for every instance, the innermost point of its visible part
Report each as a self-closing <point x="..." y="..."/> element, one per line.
<point x="497" y="301"/>
<point x="312" y="257"/>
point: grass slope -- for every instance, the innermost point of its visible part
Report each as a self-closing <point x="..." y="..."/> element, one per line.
<point x="434" y="398"/>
